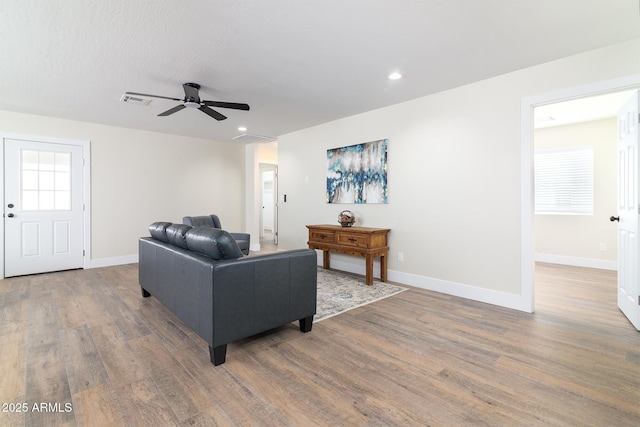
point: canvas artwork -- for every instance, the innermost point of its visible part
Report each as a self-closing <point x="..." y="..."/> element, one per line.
<point x="357" y="173"/>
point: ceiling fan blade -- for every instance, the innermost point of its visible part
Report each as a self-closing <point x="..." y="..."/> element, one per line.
<point x="233" y="105"/>
<point x="153" y="96"/>
<point x="191" y="91"/>
<point x="173" y="110"/>
<point x="212" y="113"/>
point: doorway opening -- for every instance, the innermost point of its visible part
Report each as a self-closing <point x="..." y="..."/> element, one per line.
<point x="529" y="107"/>
<point x="575" y="169"/>
<point x="575" y="147"/>
<point x="269" y="206"/>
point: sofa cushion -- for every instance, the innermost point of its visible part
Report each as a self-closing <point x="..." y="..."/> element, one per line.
<point x="176" y="234"/>
<point x="213" y="242"/>
<point x="158" y="231"/>
<point x="199" y="221"/>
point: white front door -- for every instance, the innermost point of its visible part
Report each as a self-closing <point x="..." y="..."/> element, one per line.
<point x="43" y="212"/>
<point x="629" y="211"/>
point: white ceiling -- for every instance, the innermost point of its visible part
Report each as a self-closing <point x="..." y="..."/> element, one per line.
<point x="298" y="63"/>
<point x="580" y="110"/>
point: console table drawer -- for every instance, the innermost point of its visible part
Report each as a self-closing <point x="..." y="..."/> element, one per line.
<point x="322" y="236"/>
<point x="359" y="241"/>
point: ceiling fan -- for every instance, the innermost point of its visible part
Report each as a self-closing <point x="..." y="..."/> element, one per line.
<point x="192" y="100"/>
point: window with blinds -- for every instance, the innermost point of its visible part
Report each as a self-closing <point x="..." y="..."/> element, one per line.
<point x="564" y="181"/>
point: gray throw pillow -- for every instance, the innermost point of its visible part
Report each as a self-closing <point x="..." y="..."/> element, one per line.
<point x="176" y="234"/>
<point x="213" y="242"/>
<point x="158" y="231"/>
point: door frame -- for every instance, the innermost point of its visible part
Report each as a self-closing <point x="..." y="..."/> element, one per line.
<point x="269" y="167"/>
<point x="86" y="190"/>
<point x="527" y="261"/>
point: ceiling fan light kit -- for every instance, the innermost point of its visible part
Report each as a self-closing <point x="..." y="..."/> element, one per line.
<point x="192" y="100"/>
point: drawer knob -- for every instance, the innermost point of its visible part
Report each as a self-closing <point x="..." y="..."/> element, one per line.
<point x="353" y="240"/>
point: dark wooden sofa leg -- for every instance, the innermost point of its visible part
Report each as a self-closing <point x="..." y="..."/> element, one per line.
<point x="145" y="294"/>
<point x="306" y="323"/>
<point x="218" y="354"/>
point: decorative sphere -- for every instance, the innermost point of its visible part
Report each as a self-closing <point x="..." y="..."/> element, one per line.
<point x="346" y="218"/>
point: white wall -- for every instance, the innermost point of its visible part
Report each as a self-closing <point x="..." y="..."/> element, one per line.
<point x="454" y="176"/>
<point x="139" y="177"/>
<point x="576" y="239"/>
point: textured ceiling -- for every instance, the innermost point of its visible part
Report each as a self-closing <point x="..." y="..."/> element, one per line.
<point x="297" y="63"/>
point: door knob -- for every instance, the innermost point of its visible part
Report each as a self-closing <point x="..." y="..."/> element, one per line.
<point x="10" y="215"/>
<point x="614" y="218"/>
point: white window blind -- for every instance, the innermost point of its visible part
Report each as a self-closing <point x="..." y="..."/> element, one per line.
<point x="564" y="181"/>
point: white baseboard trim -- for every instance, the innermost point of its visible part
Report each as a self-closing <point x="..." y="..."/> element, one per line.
<point x="502" y="299"/>
<point x="109" y="262"/>
<point x="254" y="247"/>
<point x="577" y="262"/>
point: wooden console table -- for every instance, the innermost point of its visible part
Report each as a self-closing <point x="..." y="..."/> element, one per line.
<point x="360" y="241"/>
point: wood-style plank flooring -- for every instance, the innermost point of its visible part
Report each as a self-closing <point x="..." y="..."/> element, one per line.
<point x="84" y="348"/>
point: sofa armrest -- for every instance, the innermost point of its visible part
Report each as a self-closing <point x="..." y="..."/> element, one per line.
<point x="241" y="236"/>
<point x="243" y="240"/>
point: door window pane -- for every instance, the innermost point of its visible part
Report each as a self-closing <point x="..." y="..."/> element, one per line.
<point x="46" y="180"/>
<point x="29" y="160"/>
<point x="29" y="180"/>
<point x="63" y="162"/>
<point x="62" y="181"/>
<point x="45" y="201"/>
<point x="63" y="200"/>
<point x="46" y="160"/>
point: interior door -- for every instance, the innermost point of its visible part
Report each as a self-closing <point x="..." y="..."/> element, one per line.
<point x="275" y="206"/>
<point x="628" y="211"/>
<point x="269" y="214"/>
<point x="43" y="213"/>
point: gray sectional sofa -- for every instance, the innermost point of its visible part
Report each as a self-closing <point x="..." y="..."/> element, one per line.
<point x="200" y="274"/>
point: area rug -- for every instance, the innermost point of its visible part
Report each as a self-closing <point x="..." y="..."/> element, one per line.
<point x="339" y="292"/>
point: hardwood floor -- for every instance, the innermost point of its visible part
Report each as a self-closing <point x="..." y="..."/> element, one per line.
<point x="88" y="347"/>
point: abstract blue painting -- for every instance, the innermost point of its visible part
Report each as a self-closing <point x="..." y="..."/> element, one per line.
<point x="357" y="173"/>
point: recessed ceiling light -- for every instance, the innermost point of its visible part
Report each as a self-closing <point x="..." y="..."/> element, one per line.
<point x="242" y="129"/>
<point x="394" y="76"/>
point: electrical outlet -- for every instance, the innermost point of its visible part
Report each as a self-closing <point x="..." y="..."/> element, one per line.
<point x="400" y="257"/>
<point x="603" y="247"/>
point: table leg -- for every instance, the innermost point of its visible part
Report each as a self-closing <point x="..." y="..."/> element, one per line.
<point x="369" y="268"/>
<point x="326" y="263"/>
<point x="383" y="268"/>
